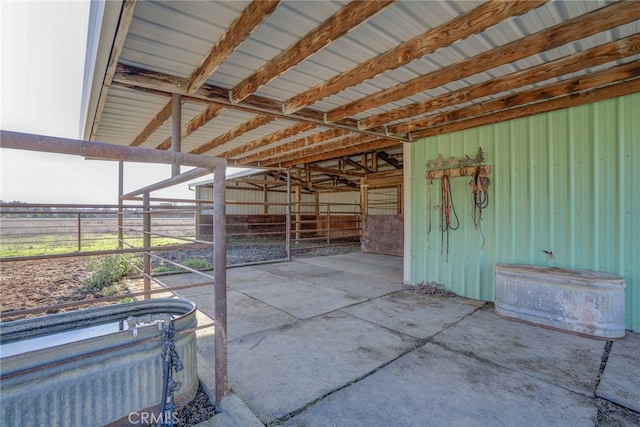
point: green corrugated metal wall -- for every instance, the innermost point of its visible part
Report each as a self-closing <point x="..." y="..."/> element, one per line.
<point x="566" y="182"/>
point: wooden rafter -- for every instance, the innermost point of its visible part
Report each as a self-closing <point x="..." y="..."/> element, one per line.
<point x="339" y="24"/>
<point x="533" y="96"/>
<point x="126" y="16"/>
<point x="153" y="81"/>
<point x="237" y="32"/>
<point x="293" y="145"/>
<point x="248" y="126"/>
<point x="319" y="148"/>
<point x="269" y="139"/>
<point x="461" y="27"/>
<point x="153" y="125"/>
<point x="378" y="144"/>
<point x="573" y="100"/>
<point x="582" y="26"/>
<point x="194" y="124"/>
<point x="582" y="60"/>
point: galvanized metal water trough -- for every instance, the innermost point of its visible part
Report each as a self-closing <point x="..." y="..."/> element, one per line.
<point x="584" y="302"/>
<point x="96" y="366"/>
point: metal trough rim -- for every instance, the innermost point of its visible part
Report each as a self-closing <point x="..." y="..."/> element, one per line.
<point x="54" y="323"/>
<point x="567" y="276"/>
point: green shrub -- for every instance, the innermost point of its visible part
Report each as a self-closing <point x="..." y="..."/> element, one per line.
<point x="108" y="270"/>
<point x="198" y="264"/>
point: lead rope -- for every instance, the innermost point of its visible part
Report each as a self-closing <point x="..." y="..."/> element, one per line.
<point x="429" y="212"/>
<point x="479" y="188"/>
<point x="171" y="360"/>
<point x="446" y="208"/>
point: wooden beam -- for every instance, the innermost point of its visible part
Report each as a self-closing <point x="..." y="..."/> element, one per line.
<point x="385" y="182"/>
<point x="126" y="16"/>
<point x="580" y="27"/>
<point x="573" y="100"/>
<point x="154" y="82"/>
<point x="194" y="124"/>
<point x="269" y="139"/>
<point x="378" y="144"/>
<point x="461" y="27"/>
<point x="319" y="148"/>
<point x="153" y="125"/>
<point x="593" y="57"/>
<point x="238" y="31"/>
<point x="248" y="126"/>
<point x="293" y="145"/>
<point x="341" y="23"/>
<point x="533" y="96"/>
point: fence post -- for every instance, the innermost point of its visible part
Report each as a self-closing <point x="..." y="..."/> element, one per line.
<point x="220" y="281"/>
<point x="328" y="224"/>
<point x="79" y="233"/>
<point x="288" y="216"/>
<point x="146" y="238"/>
<point x="120" y="210"/>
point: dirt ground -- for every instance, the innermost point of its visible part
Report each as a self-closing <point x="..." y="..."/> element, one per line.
<point x="38" y="283"/>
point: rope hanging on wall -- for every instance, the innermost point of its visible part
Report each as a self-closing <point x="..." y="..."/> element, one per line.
<point x="446" y="209"/>
<point x="479" y="190"/>
<point x="457" y="167"/>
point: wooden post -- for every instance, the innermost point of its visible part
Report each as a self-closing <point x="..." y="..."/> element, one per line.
<point x="328" y="224"/>
<point x="317" y="211"/>
<point x="288" y="216"/>
<point x="298" y="199"/>
<point x="364" y="206"/>
<point x="265" y="199"/>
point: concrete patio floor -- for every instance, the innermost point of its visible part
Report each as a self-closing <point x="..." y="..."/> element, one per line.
<point x="339" y="341"/>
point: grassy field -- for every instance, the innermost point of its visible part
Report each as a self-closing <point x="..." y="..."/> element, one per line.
<point x="51" y="236"/>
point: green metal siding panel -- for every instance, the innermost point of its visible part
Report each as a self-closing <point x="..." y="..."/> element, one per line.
<point x="564" y="182"/>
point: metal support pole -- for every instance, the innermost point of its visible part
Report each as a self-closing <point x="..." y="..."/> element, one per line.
<point x="176" y="124"/>
<point x="220" y="280"/>
<point x="120" y="210"/>
<point x="288" y="215"/>
<point x="79" y="233"/>
<point x="146" y="238"/>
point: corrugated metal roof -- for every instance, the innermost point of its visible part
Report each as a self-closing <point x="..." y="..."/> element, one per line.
<point x="173" y="38"/>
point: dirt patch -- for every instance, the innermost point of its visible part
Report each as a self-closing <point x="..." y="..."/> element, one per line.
<point x="39" y="283"/>
<point x="46" y="282"/>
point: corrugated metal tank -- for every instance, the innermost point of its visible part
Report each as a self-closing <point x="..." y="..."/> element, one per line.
<point x="583" y="302"/>
<point x="96" y="380"/>
<point x="563" y="193"/>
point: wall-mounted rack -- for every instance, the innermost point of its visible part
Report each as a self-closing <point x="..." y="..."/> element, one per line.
<point x="454" y="172"/>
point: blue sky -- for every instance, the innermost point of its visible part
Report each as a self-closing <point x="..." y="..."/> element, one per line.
<point x="41" y="74"/>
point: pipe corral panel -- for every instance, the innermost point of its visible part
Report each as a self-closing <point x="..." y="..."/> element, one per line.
<point x="98" y="380"/>
<point x="584" y="302"/>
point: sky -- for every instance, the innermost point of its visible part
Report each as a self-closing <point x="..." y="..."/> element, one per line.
<point x="42" y="63"/>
